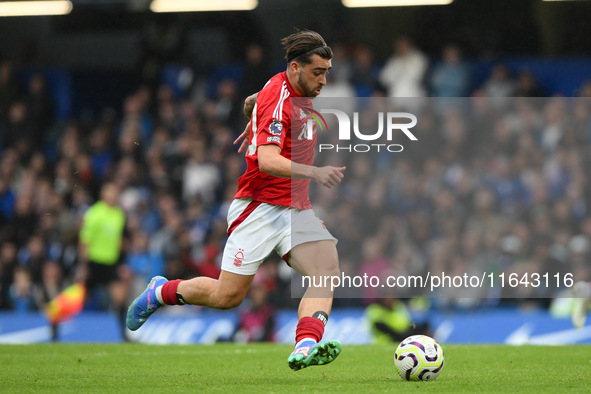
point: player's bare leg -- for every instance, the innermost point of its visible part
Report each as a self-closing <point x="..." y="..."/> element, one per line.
<point x="319" y="259"/>
<point x="228" y="291"/>
<point x="314" y="259"/>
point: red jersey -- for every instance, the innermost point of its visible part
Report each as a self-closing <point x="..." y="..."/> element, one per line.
<point x="277" y="119"/>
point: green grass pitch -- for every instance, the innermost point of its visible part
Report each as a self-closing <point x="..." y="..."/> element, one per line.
<point x="263" y="368"/>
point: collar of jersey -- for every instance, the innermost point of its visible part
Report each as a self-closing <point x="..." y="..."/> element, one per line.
<point x="292" y="92"/>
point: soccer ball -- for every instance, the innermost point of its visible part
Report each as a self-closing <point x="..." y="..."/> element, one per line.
<point x="418" y="357"/>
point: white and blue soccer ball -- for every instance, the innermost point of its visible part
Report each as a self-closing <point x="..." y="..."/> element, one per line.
<point x="418" y="357"/>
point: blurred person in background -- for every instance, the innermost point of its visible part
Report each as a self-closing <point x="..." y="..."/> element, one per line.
<point x="40" y="109"/>
<point x="499" y="86"/>
<point x="582" y="300"/>
<point x="32" y="256"/>
<point x="7" y="200"/>
<point x="585" y="89"/>
<point x="8" y="263"/>
<point x="451" y="76"/>
<point x="364" y="75"/>
<point x="256" y="70"/>
<point x="22" y="292"/>
<point x="10" y="91"/>
<point x="100" y="247"/>
<point x="20" y="134"/>
<point x="257" y="315"/>
<point x="527" y="85"/>
<point x="390" y="321"/>
<point x="404" y="73"/>
<point x="143" y="262"/>
<point x="51" y="284"/>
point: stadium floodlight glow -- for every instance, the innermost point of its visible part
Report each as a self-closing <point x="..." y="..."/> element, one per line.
<point x="202" y="5"/>
<point x="32" y="8"/>
<point x="392" y="3"/>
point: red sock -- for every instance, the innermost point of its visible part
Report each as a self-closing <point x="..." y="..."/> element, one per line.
<point x="169" y="292"/>
<point x="309" y="327"/>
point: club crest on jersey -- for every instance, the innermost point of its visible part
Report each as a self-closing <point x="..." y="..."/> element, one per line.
<point x="275" y="127"/>
<point x="238" y="258"/>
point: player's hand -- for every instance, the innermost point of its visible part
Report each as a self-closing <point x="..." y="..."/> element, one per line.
<point x="328" y="176"/>
<point x="249" y="103"/>
<point x="244" y="137"/>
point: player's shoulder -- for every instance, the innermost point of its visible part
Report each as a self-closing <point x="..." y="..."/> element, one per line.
<point x="276" y="81"/>
<point x="274" y="89"/>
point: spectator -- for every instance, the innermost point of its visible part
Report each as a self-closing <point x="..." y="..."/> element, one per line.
<point x="555" y="122"/>
<point x="10" y="91"/>
<point x="7" y="200"/>
<point x="226" y="108"/>
<point x="256" y="71"/>
<point x="200" y="177"/>
<point x="40" y="109"/>
<point x="404" y="72"/>
<point x="20" y="134"/>
<point x="143" y="263"/>
<point x="499" y="86"/>
<point x="33" y="257"/>
<point x="257" y="315"/>
<point x="338" y="81"/>
<point x="51" y="285"/>
<point x="527" y="85"/>
<point x="8" y="263"/>
<point x="585" y="90"/>
<point x="450" y="77"/>
<point x="21" y="292"/>
<point x="165" y="241"/>
<point x="25" y="220"/>
<point x="364" y="74"/>
<point x="135" y="115"/>
<point x="102" y="154"/>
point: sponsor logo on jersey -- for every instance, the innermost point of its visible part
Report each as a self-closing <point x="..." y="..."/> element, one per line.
<point x="274" y="139"/>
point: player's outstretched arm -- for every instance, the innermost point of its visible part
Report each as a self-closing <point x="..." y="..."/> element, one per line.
<point x="271" y="162"/>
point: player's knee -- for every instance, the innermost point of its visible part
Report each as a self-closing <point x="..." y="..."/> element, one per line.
<point x="324" y="270"/>
<point x="331" y="269"/>
<point x="229" y="301"/>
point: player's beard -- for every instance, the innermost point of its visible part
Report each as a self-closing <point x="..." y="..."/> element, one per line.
<point x="308" y="91"/>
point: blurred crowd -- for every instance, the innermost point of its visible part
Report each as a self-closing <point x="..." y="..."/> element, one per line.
<point x="499" y="186"/>
<point x="490" y="187"/>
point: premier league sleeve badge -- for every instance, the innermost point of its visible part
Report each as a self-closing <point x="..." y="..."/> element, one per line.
<point x="275" y="127"/>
